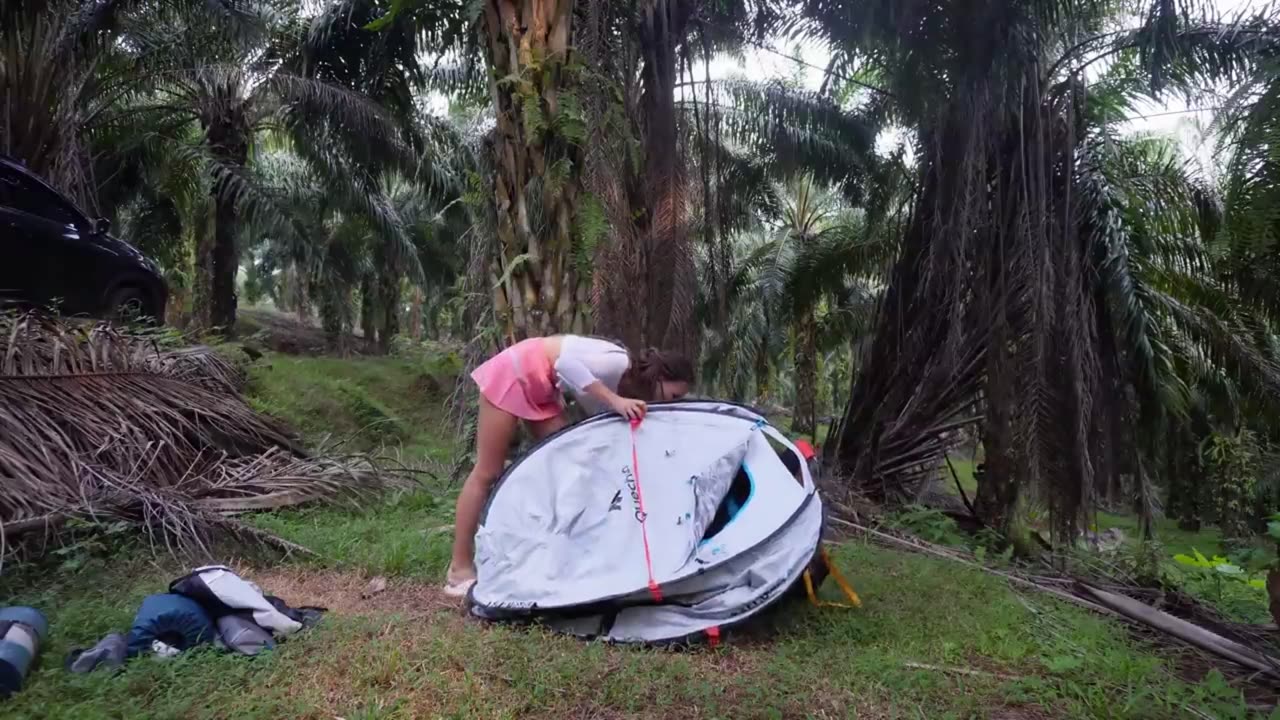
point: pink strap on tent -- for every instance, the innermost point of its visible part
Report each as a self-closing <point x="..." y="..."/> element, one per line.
<point x="654" y="589"/>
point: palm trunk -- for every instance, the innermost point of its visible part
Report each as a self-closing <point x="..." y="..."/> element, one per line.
<point x="227" y="133"/>
<point x="202" y="280"/>
<point x="667" y="259"/>
<point x="368" y="311"/>
<point x="389" y="302"/>
<point x="805" y="421"/>
<point x="996" y="501"/>
<point x="762" y="377"/>
<point x="538" y="158"/>
<point x="646" y="294"/>
<point x="415" y="314"/>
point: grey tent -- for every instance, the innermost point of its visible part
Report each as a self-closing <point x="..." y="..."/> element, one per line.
<point x="667" y="531"/>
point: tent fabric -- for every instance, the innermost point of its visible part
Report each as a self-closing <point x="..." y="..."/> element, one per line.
<point x="728" y="526"/>
<point x="175" y="620"/>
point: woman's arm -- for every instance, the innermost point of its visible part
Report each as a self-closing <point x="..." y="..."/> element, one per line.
<point x="629" y="408"/>
<point x="609" y="366"/>
<point x="601" y="392"/>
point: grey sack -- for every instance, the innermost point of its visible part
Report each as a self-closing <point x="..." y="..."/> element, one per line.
<point x="241" y="634"/>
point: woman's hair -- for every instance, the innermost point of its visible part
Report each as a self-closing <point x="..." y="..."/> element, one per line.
<point x="648" y="368"/>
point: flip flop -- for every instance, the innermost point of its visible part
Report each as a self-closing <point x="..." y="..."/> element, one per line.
<point x="459" y="589"/>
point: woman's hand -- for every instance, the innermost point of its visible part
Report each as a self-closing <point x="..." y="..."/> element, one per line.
<point x="626" y="407"/>
<point x="629" y="408"/>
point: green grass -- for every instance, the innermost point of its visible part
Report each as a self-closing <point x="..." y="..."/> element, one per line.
<point x="1174" y="539"/>
<point x="824" y="662"/>
<point x="963" y="467"/>
<point x="1237" y="600"/>
<point x="374" y="402"/>
<point x="408" y="535"/>
<point x="407" y="654"/>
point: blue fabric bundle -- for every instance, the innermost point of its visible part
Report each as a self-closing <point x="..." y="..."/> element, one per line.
<point x="176" y="620"/>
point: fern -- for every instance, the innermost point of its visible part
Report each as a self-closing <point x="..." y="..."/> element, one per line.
<point x="590" y="225"/>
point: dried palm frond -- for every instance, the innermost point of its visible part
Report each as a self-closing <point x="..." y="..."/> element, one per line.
<point x="201" y="366"/>
<point x="98" y="424"/>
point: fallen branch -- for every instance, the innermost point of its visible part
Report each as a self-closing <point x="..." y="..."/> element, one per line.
<point x="1187" y="632"/>
<point x="960" y="671"/>
<point x="98" y="425"/>
<point x="960" y="488"/>
<point x="929" y="549"/>
<point x="266" y="538"/>
<point x="15" y="528"/>
<point x="270" y="501"/>
<point x="1102" y="601"/>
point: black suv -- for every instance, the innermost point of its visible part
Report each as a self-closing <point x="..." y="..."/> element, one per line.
<point x="53" y="255"/>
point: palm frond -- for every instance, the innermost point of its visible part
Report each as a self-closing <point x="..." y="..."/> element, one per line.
<point x="102" y="425"/>
<point x="798" y="130"/>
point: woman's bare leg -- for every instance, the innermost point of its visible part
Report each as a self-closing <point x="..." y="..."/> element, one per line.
<point x="494" y="430"/>
<point x="541" y="430"/>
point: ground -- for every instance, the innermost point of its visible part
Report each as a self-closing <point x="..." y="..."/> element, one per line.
<point x="933" y="639"/>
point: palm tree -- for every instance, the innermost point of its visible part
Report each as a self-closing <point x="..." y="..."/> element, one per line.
<point x="640" y="167"/>
<point x="538" y="151"/>
<point x="334" y="243"/>
<point x="995" y="298"/>
<point x="739" y="360"/>
<point x="229" y="75"/>
<point x="59" y="80"/>
<point x="807" y="284"/>
<point x="808" y="218"/>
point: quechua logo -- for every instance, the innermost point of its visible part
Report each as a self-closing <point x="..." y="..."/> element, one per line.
<point x="629" y="478"/>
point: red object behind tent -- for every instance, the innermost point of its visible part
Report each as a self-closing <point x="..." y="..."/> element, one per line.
<point x="805" y="449"/>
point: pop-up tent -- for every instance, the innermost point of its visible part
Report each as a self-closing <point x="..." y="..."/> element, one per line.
<point x="670" y="530"/>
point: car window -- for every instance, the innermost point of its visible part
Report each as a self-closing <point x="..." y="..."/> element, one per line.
<point x="21" y="193"/>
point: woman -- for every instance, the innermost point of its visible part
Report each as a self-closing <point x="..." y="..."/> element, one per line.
<point x="524" y="382"/>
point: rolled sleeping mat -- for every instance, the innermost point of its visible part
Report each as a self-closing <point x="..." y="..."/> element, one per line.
<point x="174" y="620"/>
<point x="22" y="630"/>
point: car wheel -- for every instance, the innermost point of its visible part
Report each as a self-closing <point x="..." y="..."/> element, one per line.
<point x="128" y="305"/>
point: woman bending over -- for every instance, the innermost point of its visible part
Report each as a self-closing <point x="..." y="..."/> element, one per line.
<point x="525" y="382"/>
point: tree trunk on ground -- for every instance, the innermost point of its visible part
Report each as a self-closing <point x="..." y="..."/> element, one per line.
<point x="805" y="420"/>
<point x="538" y="166"/>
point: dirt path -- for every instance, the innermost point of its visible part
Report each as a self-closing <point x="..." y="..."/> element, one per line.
<point x="285" y="333"/>
<point x="343" y="593"/>
<point x="438" y="664"/>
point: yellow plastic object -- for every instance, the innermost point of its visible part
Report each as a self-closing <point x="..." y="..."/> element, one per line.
<point x="854" y="600"/>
